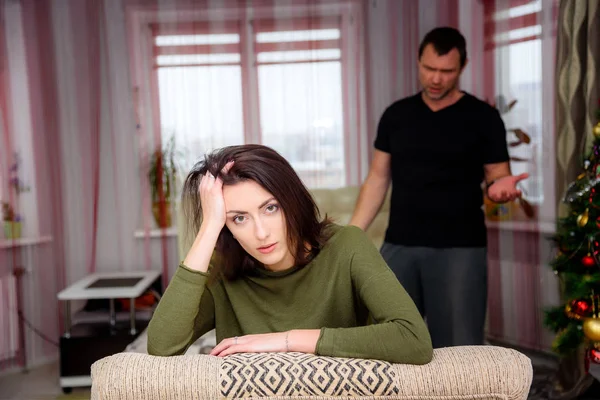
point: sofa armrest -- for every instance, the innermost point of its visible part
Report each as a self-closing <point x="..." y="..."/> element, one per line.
<point x="468" y="372"/>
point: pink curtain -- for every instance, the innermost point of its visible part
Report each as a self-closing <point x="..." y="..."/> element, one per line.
<point x="73" y="125"/>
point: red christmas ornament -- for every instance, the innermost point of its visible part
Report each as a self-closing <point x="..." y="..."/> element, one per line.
<point x="588" y="261"/>
<point x="578" y="309"/>
<point x="595" y="356"/>
<point x="581" y="307"/>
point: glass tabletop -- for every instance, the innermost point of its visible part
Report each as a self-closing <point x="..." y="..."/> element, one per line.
<point x="113" y="283"/>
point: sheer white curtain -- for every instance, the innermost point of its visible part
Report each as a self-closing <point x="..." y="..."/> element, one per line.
<point x="284" y="74"/>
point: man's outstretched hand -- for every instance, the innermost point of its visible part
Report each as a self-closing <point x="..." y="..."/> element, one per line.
<point x="505" y="189"/>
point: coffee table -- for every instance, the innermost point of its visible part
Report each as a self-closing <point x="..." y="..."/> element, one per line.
<point x="86" y="341"/>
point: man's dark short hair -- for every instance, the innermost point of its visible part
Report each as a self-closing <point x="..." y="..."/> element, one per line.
<point x="444" y="39"/>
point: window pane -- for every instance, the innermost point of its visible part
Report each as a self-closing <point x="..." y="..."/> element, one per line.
<point x="202" y="107"/>
<point x="197" y="59"/>
<point x="185" y="40"/>
<point x="519" y="11"/>
<point x="300" y="55"/>
<point x="297" y="36"/>
<point x="519" y="77"/>
<point x="301" y="117"/>
<point x="521" y="33"/>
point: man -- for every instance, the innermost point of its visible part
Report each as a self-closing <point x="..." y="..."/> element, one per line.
<point x="438" y="147"/>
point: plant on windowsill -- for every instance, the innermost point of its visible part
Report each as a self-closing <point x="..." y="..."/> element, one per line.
<point x="162" y="175"/>
<point x="502" y="212"/>
<point x="12" y="221"/>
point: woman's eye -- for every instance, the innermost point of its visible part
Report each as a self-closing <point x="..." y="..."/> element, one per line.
<point x="238" y="219"/>
<point x="271" y="208"/>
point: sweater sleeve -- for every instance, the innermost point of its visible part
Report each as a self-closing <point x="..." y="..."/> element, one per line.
<point x="399" y="333"/>
<point x="185" y="312"/>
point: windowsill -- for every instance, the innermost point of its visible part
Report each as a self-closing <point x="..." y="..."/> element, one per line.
<point x="523" y="226"/>
<point x="155" y="233"/>
<point x="23" y="242"/>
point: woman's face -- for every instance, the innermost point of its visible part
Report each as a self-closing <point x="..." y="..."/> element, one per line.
<point x="257" y="222"/>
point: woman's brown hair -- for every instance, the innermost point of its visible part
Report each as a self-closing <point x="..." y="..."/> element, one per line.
<point x="263" y="165"/>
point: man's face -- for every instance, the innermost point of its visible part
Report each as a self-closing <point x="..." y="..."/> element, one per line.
<point x="439" y="74"/>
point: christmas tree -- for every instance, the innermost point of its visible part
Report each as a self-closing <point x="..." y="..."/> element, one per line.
<point x="577" y="263"/>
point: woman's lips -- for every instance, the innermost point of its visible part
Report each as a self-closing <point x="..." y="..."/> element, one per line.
<point x="267" y="249"/>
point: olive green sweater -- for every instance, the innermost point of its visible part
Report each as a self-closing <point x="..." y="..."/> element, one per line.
<point x="337" y="292"/>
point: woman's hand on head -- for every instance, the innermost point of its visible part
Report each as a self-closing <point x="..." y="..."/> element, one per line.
<point x="211" y="198"/>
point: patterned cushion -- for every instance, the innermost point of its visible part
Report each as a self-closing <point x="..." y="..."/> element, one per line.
<point x="298" y="374"/>
<point x="469" y="372"/>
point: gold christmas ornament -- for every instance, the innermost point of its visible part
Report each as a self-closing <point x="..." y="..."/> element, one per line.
<point x="583" y="219"/>
<point x="596" y="130"/>
<point x="591" y="329"/>
<point x="568" y="310"/>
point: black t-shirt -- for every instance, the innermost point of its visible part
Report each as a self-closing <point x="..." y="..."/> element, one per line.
<point x="437" y="161"/>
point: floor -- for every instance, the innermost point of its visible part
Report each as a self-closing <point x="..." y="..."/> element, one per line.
<point x="37" y="384"/>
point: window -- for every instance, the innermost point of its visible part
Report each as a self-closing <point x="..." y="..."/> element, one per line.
<point x="200" y="89"/>
<point x="517" y="35"/>
<point x="300" y="96"/>
<point x="276" y="82"/>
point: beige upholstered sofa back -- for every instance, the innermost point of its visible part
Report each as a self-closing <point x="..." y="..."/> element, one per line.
<point x="469" y="372"/>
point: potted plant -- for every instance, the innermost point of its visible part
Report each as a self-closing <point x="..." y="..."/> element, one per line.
<point x="162" y="175"/>
<point x="12" y="222"/>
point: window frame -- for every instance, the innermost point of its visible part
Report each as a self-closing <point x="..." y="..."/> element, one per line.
<point x="142" y="22"/>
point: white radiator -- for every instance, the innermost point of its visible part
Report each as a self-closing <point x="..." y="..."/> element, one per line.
<point x="9" y="323"/>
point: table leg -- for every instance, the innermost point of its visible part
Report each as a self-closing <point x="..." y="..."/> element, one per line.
<point x="67" y="319"/>
<point x="132" y="331"/>
<point x="113" y="316"/>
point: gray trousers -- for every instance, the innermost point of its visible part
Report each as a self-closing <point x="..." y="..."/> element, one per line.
<point x="449" y="287"/>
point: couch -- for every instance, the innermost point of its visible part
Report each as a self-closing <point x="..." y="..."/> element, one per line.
<point x="339" y="204"/>
<point x="467" y="372"/>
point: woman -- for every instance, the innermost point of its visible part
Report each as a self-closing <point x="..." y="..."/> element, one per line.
<point x="281" y="280"/>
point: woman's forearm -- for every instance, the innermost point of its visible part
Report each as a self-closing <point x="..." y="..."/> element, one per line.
<point x="198" y="257"/>
<point x="303" y="340"/>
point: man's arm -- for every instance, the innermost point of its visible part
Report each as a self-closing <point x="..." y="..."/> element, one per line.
<point x="500" y="185"/>
<point x="373" y="190"/>
<point x="495" y="171"/>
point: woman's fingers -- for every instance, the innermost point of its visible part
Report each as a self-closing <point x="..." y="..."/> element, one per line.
<point x="232" y="350"/>
<point x="206" y="181"/>
<point x="227" y="167"/>
<point x="225" y="343"/>
<point x="217" y="184"/>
